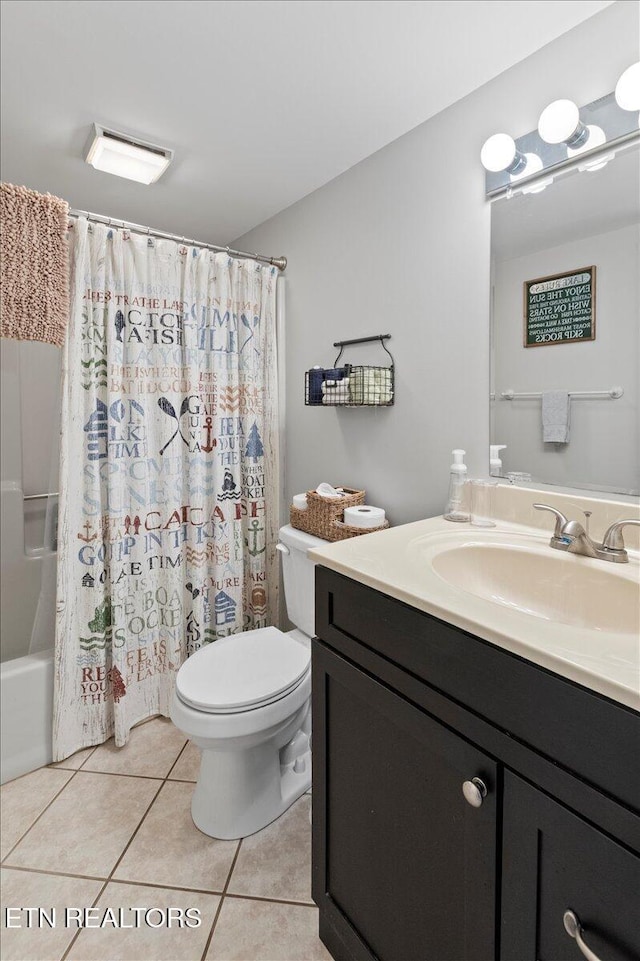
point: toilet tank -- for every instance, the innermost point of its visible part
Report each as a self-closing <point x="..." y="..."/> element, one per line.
<point x="298" y="576"/>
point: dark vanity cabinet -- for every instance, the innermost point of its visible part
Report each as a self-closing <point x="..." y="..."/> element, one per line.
<point x="463" y="798"/>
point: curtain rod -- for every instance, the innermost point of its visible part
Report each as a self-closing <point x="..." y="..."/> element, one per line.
<point x="279" y="262"/>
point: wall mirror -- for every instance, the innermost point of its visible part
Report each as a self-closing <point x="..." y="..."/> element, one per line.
<point x="582" y="220"/>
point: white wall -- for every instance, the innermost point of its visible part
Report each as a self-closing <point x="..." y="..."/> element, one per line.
<point x="400" y="244"/>
<point x="604" y="447"/>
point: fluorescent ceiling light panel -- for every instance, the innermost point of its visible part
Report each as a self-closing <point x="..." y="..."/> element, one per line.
<point x="116" y="153"/>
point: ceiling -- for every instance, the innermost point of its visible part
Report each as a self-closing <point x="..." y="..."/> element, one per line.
<point x="263" y="101"/>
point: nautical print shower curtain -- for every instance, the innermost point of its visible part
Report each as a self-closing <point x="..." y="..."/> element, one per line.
<point x="168" y="509"/>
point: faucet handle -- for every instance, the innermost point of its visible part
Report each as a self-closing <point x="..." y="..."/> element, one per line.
<point x="561" y="520"/>
<point x="613" y="540"/>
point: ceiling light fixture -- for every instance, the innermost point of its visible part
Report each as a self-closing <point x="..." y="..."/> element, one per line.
<point x="116" y="153"/>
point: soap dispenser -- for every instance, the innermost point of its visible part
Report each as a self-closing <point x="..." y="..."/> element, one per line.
<point x="455" y="501"/>
<point x="495" y="463"/>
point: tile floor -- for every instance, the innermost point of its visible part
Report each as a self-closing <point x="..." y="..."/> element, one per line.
<point x="111" y="827"/>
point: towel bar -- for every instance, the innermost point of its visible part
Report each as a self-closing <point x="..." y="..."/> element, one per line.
<point x="614" y="393"/>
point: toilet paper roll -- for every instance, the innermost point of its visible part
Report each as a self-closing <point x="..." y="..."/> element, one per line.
<point x="364" y="516"/>
<point x="300" y="501"/>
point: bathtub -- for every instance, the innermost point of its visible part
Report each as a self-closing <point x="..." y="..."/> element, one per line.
<point x="26" y="714"/>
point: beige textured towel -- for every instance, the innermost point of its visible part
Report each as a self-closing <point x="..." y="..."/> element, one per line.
<point x="34" y="272"/>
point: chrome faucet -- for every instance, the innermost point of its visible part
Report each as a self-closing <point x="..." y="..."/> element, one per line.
<point x="571" y="536"/>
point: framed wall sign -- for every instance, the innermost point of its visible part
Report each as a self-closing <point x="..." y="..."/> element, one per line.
<point x="560" y="309"/>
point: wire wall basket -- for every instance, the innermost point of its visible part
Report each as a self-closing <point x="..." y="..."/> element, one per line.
<point x="350" y="385"/>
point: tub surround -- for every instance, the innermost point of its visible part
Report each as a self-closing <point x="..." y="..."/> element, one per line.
<point x="398" y="563"/>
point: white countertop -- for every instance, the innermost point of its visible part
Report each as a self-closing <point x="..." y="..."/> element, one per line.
<point x="396" y="562"/>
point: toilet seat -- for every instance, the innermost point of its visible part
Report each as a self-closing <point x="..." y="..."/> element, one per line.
<point x="242" y="672"/>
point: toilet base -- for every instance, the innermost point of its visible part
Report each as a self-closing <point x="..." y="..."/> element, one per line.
<point x="240" y="792"/>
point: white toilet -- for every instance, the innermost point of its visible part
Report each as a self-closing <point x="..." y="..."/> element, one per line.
<point x="245" y="701"/>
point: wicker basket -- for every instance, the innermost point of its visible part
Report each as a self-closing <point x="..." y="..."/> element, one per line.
<point x="323" y="514"/>
<point x="340" y="531"/>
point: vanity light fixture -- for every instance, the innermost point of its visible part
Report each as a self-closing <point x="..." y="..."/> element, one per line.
<point x="567" y="138"/>
<point x="117" y="153"/>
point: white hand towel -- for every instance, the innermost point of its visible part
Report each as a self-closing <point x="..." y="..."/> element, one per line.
<point x="332" y="385"/>
<point x="556" y="416"/>
<point x="326" y="490"/>
<point x="335" y="397"/>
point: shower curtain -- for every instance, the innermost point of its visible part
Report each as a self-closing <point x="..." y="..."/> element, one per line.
<point x="168" y="512"/>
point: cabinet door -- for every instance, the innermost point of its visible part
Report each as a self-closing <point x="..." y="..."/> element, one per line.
<point x="404" y="866"/>
<point x="554" y="861"/>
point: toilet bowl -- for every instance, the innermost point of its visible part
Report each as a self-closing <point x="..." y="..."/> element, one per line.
<point x="244" y="700"/>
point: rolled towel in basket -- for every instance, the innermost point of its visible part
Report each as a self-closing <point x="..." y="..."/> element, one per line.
<point x="371" y="385"/>
<point x="335" y="391"/>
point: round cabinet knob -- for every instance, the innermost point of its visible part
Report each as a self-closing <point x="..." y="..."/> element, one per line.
<point x="475" y="791"/>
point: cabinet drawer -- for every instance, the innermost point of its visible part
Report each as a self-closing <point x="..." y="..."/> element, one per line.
<point x="584" y="732"/>
<point x="553" y="861"/>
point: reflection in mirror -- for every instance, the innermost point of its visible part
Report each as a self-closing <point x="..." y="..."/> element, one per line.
<point x="550" y="338"/>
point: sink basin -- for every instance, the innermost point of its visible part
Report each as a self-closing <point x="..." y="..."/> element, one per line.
<point x="551" y="585"/>
<point x="575" y="616"/>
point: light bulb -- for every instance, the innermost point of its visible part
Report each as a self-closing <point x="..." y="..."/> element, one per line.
<point x="532" y="165"/>
<point x="499" y="153"/>
<point x="628" y="88"/>
<point x="560" y="123"/>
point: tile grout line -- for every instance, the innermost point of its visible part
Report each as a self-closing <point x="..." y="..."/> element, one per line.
<point x="78" y="932"/>
<point x="164" y="780"/>
<point x="219" y="909"/>
<point x="259" y="897"/>
<point x="87" y="758"/>
<point x="76" y="771"/>
<point x="51" y="872"/>
<point x="115" y="866"/>
<point x="33" y="823"/>
<point x="126" y="848"/>
<point x="127" y="845"/>
<point x="157" y="884"/>
<point x="180" y="753"/>
<point x="140" y="777"/>
<point x="110" y="879"/>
